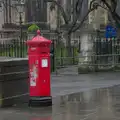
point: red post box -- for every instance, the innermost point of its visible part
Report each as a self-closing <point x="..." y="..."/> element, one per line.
<point x="39" y="71"/>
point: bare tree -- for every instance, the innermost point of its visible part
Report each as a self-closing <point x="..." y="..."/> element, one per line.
<point x="77" y="10"/>
<point x="113" y="6"/>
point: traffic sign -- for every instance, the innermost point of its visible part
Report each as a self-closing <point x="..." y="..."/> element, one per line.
<point x="110" y="32"/>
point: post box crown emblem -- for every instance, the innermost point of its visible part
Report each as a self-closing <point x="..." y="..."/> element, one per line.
<point x="38" y="39"/>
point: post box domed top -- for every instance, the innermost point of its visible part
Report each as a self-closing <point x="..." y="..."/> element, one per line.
<point x="38" y="39"/>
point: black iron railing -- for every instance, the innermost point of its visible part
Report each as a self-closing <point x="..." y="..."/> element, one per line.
<point x="13" y="48"/>
<point x="107" y="50"/>
<point x="59" y="52"/>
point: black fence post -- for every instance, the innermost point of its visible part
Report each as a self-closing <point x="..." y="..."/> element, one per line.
<point x="61" y="56"/>
<point x="79" y="45"/>
<point x="73" y="48"/>
<point x="9" y="50"/>
<point x="53" y="56"/>
<point x="23" y="44"/>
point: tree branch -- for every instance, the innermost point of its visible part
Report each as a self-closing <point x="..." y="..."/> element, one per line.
<point x="92" y="8"/>
<point x="107" y="4"/>
<point x="91" y="3"/>
<point x="61" y="10"/>
<point x="79" y="2"/>
<point x="89" y="11"/>
<point x="114" y="4"/>
<point x="115" y="16"/>
<point x="78" y="6"/>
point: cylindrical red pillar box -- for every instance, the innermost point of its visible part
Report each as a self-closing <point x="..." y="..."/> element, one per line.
<point x="39" y="71"/>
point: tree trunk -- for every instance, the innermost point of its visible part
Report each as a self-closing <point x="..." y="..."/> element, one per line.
<point x="69" y="50"/>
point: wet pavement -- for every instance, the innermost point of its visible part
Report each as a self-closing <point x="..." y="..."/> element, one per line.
<point x="93" y="96"/>
<point x="63" y="84"/>
<point x="96" y="104"/>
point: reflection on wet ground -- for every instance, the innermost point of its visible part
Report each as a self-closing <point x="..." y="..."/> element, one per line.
<point x="99" y="104"/>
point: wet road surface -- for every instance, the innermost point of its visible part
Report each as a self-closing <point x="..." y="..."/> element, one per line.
<point x="97" y="104"/>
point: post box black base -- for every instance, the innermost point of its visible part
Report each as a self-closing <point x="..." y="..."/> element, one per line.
<point x="40" y="101"/>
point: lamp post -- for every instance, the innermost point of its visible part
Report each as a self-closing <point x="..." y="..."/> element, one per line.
<point x="20" y="8"/>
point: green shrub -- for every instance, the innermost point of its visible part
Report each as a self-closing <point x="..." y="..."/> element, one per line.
<point x="33" y="28"/>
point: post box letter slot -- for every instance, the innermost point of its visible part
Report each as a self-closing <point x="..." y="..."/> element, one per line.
<point x="43" y="52"/>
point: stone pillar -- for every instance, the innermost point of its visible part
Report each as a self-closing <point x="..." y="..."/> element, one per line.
<point x="86" y="51"/>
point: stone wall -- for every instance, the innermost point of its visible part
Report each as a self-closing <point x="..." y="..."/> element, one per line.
<point x="13" y="81"/>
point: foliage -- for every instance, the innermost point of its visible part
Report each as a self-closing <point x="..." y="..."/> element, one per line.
<point x="33" y="28"/>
